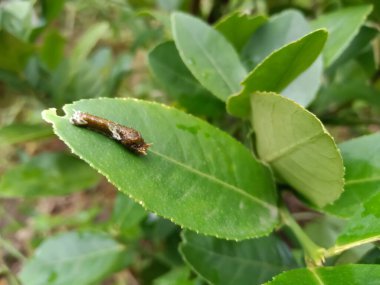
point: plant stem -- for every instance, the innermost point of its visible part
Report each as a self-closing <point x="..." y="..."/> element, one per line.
<point x="314" y="255"/>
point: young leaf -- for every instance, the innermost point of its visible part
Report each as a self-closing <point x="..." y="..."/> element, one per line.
<point x="354" y="274"/>
<point x="194" y="174"/>
<point x="73" y="258"/>
<point x="227" y="262"/>
<point x="281" y="30"/>
<point x="343" y="26"/>
<point x="238" y="27"/>
<point x="297" y="146"/>
<point x="169" y="69"/>
<point x="278" y="70"/>
<point x="47" y="174"/>
<point x="361" y="158"/>
<point x="208" y="55"/>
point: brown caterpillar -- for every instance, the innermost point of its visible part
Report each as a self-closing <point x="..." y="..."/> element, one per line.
<point x="128" y="137"/>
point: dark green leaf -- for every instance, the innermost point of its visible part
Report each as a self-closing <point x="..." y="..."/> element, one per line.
<point x="193" y="174"/>
<point x="173" y="74"/>
<point x="345" y="274"/>
<point x="227" y="262"/>
<point x="238" y="27"/>
<point x="47" y="174"/>
<point x="73" y="258"/>
<point x="52" y="50"/>
<point x="208" y="55"/>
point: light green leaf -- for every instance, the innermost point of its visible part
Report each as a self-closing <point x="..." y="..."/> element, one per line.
<point x="343" y="25"/>
<point x="194" y="174"/>
<point x="208" y="55"/>
<point x="19" y="132"/>
<point x="86" y="43"/>
<point x="297" y="146"/>
<point x="238" y="27"/>
<point x="361" y="158"/>
<point x="169" y="69"/>
<point x="126" y="213"/>
<point x="356" y="274"/>
<point x="47" y="174"/>
<point x="227" y="262"/>
<point x="282" y="29"/>
<point x="276" y="71"/>
<point x="73" y="258"/>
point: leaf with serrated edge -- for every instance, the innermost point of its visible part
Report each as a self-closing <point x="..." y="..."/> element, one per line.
<point x="194" y="174"/>
<point x="277" y="70"/>
<point x="353" y="274"/>
<point x="297" y="146"/>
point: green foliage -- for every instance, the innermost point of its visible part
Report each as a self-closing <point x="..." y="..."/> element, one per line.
<point x="74" y="257"/>
<point x="246" y="198"/>
<point x="47" y="174"/>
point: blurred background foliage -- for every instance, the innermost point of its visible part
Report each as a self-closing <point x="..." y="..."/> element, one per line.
<point x="55" y="52"/>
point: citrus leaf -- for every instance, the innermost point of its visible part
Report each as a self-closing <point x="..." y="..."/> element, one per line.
<point x="73" y="258"/>
<point x="227" y="262"/>
<point x="194" y="174"/>
<point x="47" y="174"/>
<point x="343" y="26"/>
<point x="237" y="27"/>
<point x="276" y="71"/>
<point x="169" y="69"/>
<point x="364" y="227"/>
<point x="208" y="55"/>
<point x="355" y="274"/>
<point x="297" y="146"/>
<point x="361" y="158"/>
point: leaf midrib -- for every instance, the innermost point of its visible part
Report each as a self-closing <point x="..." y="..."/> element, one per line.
<point x="216" y="180"/>
<point x="212" y="62"/>
<point x="287" y="150"/>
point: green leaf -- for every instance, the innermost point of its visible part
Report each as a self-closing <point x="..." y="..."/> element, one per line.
<point x="208" y="55"/>
<point x="297" y="146"/>
<point x="364" y="227"/>
<point x="356" y="274"/>
<point x="73" y="258"/>
<point x="194" y="174"/>
<point x="14" y="53"/>
<point x="86" y="43"/>
<point x="227" y="262"/>
<point x="361" y="158"/>
<point x="172" y="73"/>
<point x="282" y="29"/>
<point x="47" y="174"/>
<point x="343" y="25"/>
<point x="52" y="9"/>
<point x="52" y="50"/>
<point x="177" y="276"/>
<point x="126" y="213"/>
<point x="238" y="27"/>
<point x="20" y="132"/>
<point x="278" y="70"/>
